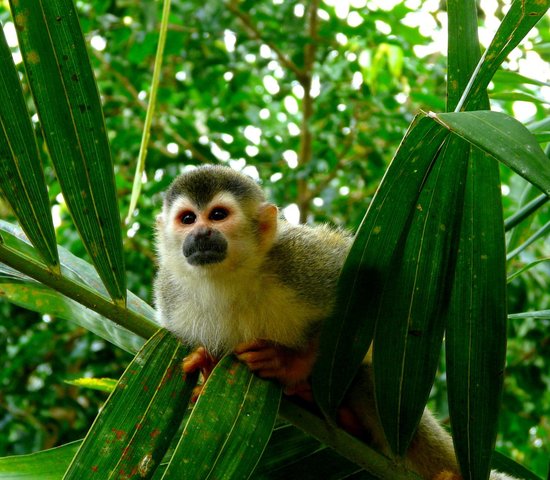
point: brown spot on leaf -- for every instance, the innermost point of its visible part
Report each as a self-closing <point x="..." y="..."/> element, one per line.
<point x="21" y="21"/>
<point x="119" y="434"/>
<point x="33" y="57"/>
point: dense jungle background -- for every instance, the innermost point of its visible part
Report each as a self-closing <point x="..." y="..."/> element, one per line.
<point x="315" y="110"/>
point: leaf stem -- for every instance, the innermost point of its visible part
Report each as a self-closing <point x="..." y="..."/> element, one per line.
<point x="140" y="167"/>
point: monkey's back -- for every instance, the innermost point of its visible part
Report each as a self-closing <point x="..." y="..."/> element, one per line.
<point x="309" y="260"/>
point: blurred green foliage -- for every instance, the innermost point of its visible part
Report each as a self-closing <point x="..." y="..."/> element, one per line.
<point x="232" y="90"/>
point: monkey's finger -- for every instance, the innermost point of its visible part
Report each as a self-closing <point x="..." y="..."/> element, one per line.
<point x="269" y="363"/>
<point x="255" y="345"/>
<point x="196" y="360"/>
<point x="258" y="356"/>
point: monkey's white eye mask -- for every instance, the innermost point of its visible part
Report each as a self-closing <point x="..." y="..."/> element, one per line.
<point x="203" y="228"/>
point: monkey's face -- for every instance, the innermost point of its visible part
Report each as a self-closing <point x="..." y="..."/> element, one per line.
<point x="221" y="234"/>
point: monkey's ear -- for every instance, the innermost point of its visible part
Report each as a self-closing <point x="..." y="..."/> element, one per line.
<point x="159" y="221"/>
<point x="268" y="224"/>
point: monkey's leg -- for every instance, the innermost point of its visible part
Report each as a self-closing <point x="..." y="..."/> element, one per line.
<point x="430" y="454"/>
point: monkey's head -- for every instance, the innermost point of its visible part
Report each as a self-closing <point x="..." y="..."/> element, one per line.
<point x="214" y="218"/>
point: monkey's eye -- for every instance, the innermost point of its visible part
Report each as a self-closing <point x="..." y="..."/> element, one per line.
<point x="188" y="218"/>
<point x="218" y="213"/>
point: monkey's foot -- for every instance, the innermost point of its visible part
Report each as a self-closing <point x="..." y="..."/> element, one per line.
<point x="290" y="367"/>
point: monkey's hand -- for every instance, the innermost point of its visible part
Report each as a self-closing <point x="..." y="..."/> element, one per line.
<point x="290" y="367"/>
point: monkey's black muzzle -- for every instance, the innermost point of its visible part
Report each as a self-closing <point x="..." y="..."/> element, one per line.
<point x="204" y="247"/>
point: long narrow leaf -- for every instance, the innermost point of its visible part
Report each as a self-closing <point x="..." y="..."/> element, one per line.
<point x="476" y="332"/>
<point x="292" y="453"/>
<point x="39" y="298"/>
<point x="410" y="323"/>
<point x="525" y="211"/>
<point x="21" y="176"/>
<point x="227" y="442"/>
<point x="347" y="335"/>
<point x="526" y="268"/>
<point x="478" y="295"/>
<point x="505" y="464"/>
<point x="102" y="384"/>
<point x="540" y="233"/>
<point x="287" y="445"/>
<point x="505" y="139"/>
<point x="540" y="314"/>
<point x="325" y="463"/>
<point x="463" y="48"/>
<point x="134" y="429"/>
<point x="521" y="224"/>
<point x="45" y="465"/>
<point x="14" y="238"/>
<point x="67" y="100"/>
<point x="520" y="19"/>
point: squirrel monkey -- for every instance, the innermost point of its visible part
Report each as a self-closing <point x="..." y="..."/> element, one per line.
<point x="234" y="278"/>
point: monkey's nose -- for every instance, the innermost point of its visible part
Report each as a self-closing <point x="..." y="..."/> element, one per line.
<point x="205" y="246"/>
<point x="203" y="232"/>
